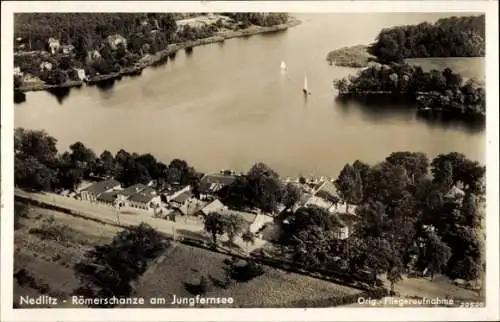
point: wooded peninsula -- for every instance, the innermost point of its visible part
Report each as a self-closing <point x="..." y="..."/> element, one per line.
<point x="385" y="74"/>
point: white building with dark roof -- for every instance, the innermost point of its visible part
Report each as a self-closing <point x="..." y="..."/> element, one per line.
<point x="147" y="199"/>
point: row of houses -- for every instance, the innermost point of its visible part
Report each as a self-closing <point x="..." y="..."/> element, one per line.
<point x="169" y="204"/>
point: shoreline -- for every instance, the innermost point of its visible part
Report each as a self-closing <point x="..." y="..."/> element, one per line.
<point x="161" y="56"/>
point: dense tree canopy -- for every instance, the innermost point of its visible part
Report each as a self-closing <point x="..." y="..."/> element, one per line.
<point x="405" y="211"/>
<point x="103" y="43"/>
<point x="435" y="89"/>
<point x="449" y="37"/>
<point x="260" y="188"/>
<point x="39" y="166"/>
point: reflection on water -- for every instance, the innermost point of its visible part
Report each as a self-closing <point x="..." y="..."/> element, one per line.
<point x="383" y="108"/>
<point x="61" y="93"/>
<point x="19" y="97"/>
<point x="106" y="85"/>
<point x="188" y="50"/>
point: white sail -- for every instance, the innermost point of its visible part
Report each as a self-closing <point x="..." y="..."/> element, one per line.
<point x="283" y="65"/>
<point x="305" y="83"/>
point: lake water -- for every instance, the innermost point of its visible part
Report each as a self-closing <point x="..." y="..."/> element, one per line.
<point x="229" y="105"/>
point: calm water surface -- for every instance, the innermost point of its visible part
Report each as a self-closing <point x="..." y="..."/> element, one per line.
<point x="229" y="105"/>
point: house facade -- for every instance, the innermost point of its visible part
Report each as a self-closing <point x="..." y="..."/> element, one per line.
<point x="147" y="199"/>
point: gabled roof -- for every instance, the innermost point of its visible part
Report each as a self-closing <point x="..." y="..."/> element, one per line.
<point x="182" y="197"/>
<point x="102" y="186"/>
<point x="219" y="179"/>
<point x="191" y="207"/>
<point x="214" y="206"/>
<point x="133" y="189"/>
<point x="327" y="191"/>
<point x="143" y="196"/>
<point x="108" y="196"/>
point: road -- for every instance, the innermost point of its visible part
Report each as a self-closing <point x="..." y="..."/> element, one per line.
<point x="108" y="214"/>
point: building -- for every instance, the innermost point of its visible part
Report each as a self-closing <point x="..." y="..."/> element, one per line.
<point x="45" y="66"/>
<point x="455" y="194"/>
<point x="81" y="73"/>
<point x="116" y="40"/>
<point x="190" y="208"/>
<point x="54" y="45"/>
<point x="130" y="190"/>
<point x="214" y="206"/>
<point x="67" y="49"/>
<point x="180" y="199"/>
<point x="107" y="198"/>
<point x="323" y="195"/>
<point x="93" y="191"/>
<point x="147" y="199"/>
<point x="213" y="183"/>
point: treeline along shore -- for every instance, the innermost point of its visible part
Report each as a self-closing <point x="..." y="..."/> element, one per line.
<point x="386" y="75"/>
<point x="405" y="215"/>
<point x="67" y="50"/>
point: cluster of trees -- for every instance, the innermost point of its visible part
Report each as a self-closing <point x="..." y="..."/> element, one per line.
<point x="436" y="89"/>
<point x="260" y="188"/>
<point x="145" y="33"/>
<point x="108" y="270"/>
<point x="449" y="37"/>
<point x="405" y="217"/>
<point x="39" y="166"/>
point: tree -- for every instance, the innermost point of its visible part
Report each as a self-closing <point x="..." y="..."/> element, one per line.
<point x="471" y="212"/>
<point x="350" y="185"/>
<point x="265" y="186"/>
<point x="214" y="224"/>
<point x="342" y="85"/>
<point x="233" y="225"/>
<point x="438" y="253"/>
<point x="82" y="157"/>
<point x="291" y="195"/>
<point x="248" y="237"/>
<point x="107" y="162"/>
<point x="415" y="164"/>
<point x="35" y="160"/>
<point x="394" y="274"/>
<point x="35" y="144"/>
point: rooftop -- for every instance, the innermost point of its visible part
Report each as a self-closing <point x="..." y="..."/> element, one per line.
<point x="102" y="186"/>
<point x="127" y="192"/>
<point x="216" y="179"/>
<point x="326" y="191"/>
<point x="144" y="196"/>
<point x="182" y="197"/>
<point x="108" y="196"/>
<point x="214" y="206"/>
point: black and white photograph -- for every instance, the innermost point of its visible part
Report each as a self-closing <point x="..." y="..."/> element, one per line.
<point x="235" y="156"/>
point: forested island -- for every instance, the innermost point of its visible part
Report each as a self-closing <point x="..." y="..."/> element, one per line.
<point x="434" y="90"/>
<point x="386" y="75"/>
<point x="68" y="49"/>
<point x="411" y="213"/>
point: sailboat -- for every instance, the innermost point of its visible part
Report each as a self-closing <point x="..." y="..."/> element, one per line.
<point x="305" y="89"/>
<point x="283" y="65"/>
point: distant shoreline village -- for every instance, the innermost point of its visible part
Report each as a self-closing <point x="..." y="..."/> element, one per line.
<point x="55" y="63"/>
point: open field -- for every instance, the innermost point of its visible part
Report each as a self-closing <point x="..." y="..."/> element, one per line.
<point x="49" y="262"/>
<point x="182" y="266"/>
